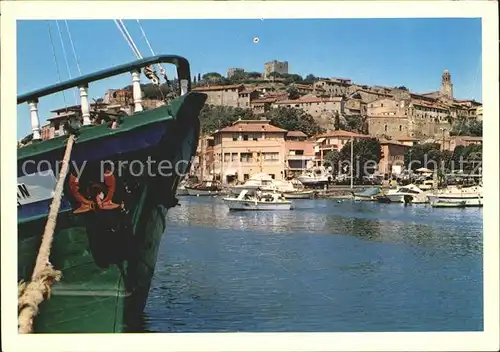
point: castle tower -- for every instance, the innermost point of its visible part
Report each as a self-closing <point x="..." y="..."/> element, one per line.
<point x="446" y="85"/>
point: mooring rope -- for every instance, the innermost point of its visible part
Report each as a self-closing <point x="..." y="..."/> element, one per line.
<point x="31" y="295"/>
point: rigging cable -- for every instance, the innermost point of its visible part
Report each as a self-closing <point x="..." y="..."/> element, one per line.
<point x="73" y="48"/>
<point x="65" y="57"/>
<point x="57" y="66"/>
<point x="160" y="66"/>
<point x="127" y="37"/>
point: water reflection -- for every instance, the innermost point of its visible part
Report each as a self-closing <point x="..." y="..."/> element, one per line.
<point x="458" y="229"/>
<point x="325" y="266"/>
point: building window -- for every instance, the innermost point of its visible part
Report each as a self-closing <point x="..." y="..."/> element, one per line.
<point x="235" y="137"/>
<point x="246" y="177"/>
<point x="272" y="176"/>
<point x="299" y="152"/>
<point x="227" y="157"/>
<point x="245" y="137"/>
<point x="255" y="137"/>
<point x="381" y="105"/>
<point x="246" y="157"/>
<point x="400" y="127"/>
<point x="234" y="157"/>
<point x="271" y="156"/>
<point x="385" y="128"/>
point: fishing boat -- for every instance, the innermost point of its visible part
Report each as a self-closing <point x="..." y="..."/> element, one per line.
<point x="205" y="188"/>
<point x="457" y="197"/>
<point x="369" y="194"/>
<point x="258" y="201"/>
<point x="112" y="211"/>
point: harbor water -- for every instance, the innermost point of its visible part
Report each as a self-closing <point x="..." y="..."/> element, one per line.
<point x="328" y="265"/>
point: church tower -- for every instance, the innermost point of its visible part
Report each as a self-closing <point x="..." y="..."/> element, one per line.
<point x="446" y="85"/>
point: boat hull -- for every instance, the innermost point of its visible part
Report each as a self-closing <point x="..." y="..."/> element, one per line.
<point x="107" y="253"/>
<point x="299" y="195"/>
<point x="455" y="200"/>
<point x="237" y="204"/>
<point x="201" y="192"/>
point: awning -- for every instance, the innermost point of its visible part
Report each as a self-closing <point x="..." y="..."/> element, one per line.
<point x="320" y="140"/>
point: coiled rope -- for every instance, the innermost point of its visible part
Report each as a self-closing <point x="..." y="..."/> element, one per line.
<point x="31" y="295"/>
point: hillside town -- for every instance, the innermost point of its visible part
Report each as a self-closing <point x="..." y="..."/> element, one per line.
<point x="396" y="117"/>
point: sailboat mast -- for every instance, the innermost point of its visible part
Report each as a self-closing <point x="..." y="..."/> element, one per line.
<point x="202" y="157"/>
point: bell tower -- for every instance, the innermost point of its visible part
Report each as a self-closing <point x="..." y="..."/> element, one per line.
<point x="446" y="85"/>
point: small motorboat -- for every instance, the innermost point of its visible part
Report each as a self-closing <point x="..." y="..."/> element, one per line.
<point x="410" y="194"/>
<point x="369" y="194"/>
<point x="259" y="201"/>
<point x="457" y="197"/>
<point x="299" y="194"/>
<point x="205" y="188"/>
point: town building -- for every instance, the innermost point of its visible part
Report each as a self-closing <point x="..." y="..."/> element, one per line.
<point x="391" y="157"/>
<point x="248" y="147"/>
<point x="428" y="115"/>
<point x="280" y="67"/>
<point x="235" y="95"/>
<point x="313" y="105"/>
<point x="299" y="155"/>
<point x="203" y="163"/>
<point x="334" y="140"/>
<point x="450" y="143"/>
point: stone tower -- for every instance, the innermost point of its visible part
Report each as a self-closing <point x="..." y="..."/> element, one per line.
<point x="446" y="85"/>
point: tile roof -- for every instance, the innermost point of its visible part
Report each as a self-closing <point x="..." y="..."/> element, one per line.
<point x="342" y="133"/>
<point x="252" y="126"/>
<point x="296" y="134"/>
<point x="215" y="88"/>
<point x="310" y="100"/>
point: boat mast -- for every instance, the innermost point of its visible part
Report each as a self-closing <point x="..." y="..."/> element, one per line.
<point x="202" y="157"/>
<point x="352" y="161"/>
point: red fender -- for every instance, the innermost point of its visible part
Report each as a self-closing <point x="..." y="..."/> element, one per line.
<point x="85" y="204"/>
<point x="110" y="182"/>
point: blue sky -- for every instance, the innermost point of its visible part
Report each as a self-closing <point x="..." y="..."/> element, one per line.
<point x="391" y="52"/>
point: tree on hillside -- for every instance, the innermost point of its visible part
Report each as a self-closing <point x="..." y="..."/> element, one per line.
<point x="366" y="156"/>
<point x="355" y="123"/>
<point x="293" y="120"/>
<point x="464" y="126"/>
<point x="254" y="75"/>
<point x="310" y="78"/>
<point x="215" y="117"/>
<point x="238" y="77"/>
<point x="292" y="78"/>
<point x="293" y="93"/>
<point x="212" y="77"/>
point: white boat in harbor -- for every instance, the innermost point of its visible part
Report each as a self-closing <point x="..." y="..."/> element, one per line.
<point x="317" y="176"/>
<point x="299" y="194"/>
<point x="205" y="188"/>
<point x="457" y="197"/>
<point x="264" y="182"/>
<point x="264" y="201"/>
<point x="257" y="181"/>
<point x="407" y="194"/>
